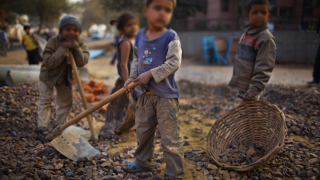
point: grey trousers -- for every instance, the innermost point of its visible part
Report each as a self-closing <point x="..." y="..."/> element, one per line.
<point x="63" y="103"/>
<point x="153" y="110"/>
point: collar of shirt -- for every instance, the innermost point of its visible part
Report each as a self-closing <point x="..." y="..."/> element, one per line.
<point x="247" y="29"/>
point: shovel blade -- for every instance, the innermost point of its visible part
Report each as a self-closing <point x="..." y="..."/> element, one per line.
<point x="73" y="146"/>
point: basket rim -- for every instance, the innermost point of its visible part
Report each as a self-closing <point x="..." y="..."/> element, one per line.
<point x="263" y="160"/>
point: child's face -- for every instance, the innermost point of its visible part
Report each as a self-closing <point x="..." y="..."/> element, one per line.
<point x="159" y="13"/>
<point x="258" y="15"/>
<point x="27" y="30"/>
<point x="70" y="33"/>
<point x="131" y="28"/>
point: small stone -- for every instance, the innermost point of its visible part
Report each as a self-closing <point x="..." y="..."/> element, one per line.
<point x="121" y="175"/>
<point x="48" y="167"/>
<point x="276" y="174"/>
<point x="310" y="174"/>
<point x="45" y="175"/>
<point x="211" y="167"/>
<point x="251" y="152"/>
<point x="233" y="174"/>
<point x="17" y="177"/>
<point x="264" y="176"/>
<point x="89" y="173"/>
<point x="313" y="161"/>
<point x="156" y="177"/>
<point x="106" y="164"/>
<point x="226" y="176"/>
<point x="315" y="170"/>
<point x="70" y="174"/>
<point x="81" y="171"/>
<point x="206" y="172"/>
<point x="13" y="133"/>
<point x="58" y="166"/>
<point x="198" y="168"/>
<point x="254" y="177"/>
<point x="144" y="175"/>
<point x="186" y="143"/>
<point x="4" y="177"/>
<point x="276" y="178"/>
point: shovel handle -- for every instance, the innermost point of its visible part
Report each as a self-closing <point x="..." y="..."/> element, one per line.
<point x="98" y="105"/>
<point x="83" y="97"/>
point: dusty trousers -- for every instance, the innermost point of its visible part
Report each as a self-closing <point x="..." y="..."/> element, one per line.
<point x="63" y="103"/>
<point x="3" y="45"/>
<point x="150" y="111"/>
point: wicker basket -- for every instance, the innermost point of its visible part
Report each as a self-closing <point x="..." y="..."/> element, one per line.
<point x="251" y="122"/>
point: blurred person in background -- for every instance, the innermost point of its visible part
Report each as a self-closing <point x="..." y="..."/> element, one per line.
<point x="4" y="41"/>
<point x="29" y="43"/>
<point x="123" y="109"/>
<point x="316" y="68"/>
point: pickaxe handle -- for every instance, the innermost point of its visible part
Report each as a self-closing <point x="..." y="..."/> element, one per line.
<point x="94" y="137"/>
<point x="58" y="130"/>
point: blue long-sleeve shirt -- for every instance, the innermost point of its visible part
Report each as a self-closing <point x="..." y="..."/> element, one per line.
<point x="161" y="56"/>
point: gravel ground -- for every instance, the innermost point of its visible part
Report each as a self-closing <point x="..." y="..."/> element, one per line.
<point x="24" y="157"/>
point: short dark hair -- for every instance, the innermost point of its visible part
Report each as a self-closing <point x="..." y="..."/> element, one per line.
<point x="255" y="2"/>
<point x="25" y="27"/>
<point x="148" y="2"/>
<point x="122" y="20"/>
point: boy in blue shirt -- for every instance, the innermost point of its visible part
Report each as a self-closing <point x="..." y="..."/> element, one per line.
<point x="157" y="57"/>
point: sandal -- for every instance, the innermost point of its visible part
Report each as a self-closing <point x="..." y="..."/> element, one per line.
<point x="132" y="167"/>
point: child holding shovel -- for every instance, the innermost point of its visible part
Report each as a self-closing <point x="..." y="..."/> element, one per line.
<point x="157" y="57"/>
<point x="120" y="112"/>
<point x="256" y="54"/>
<point x="56" y="71"/>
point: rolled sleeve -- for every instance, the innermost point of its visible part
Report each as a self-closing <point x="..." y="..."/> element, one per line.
<point x="172" y="64"/>
<point x="81" y="55"/>
<point x="51" y="58"/>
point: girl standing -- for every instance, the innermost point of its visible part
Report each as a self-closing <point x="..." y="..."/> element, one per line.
<point x="121" y="112"/>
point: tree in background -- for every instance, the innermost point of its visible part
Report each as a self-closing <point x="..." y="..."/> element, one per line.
<point x="93" y="12"/>
<point x="11" y="16"/>
<point x="186" y="8"/>
<point x="45" y="11"/>
<point x="124" y="5"/>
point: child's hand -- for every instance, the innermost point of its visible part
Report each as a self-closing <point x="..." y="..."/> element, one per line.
<point x="126" y="84"/>
<point x="144" y="78"/>
<point x="67" y="44"/>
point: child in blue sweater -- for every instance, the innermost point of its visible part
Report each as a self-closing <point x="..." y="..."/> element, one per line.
<point x="157" y="57"/>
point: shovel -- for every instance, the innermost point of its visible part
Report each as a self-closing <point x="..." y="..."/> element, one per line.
<point x="94" y="137"/>
<point x="70" y="143"/>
